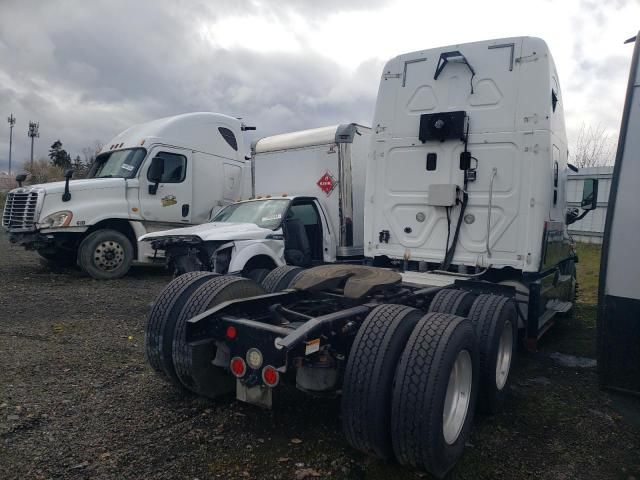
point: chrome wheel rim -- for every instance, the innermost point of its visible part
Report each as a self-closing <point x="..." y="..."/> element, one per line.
<point x="505" y="352"/>
<point x="108" y="255"/>
<point x="457" y="398"/>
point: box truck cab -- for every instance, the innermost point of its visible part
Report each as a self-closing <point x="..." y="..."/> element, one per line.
<point x="308" y="209"/>
<point x="170" y="172"/>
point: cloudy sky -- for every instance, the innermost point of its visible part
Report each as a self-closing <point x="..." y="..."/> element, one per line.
<point x="89" y="69"/>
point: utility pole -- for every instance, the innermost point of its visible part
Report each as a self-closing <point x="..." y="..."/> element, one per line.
<point x="33" y="133"/>
<point x="12" y="121"/>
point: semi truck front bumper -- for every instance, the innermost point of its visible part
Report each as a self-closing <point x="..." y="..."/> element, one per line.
<point x="31" y="240"/>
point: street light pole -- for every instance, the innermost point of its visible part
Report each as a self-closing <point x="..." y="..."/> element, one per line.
<point x="12" y="121"/>
<point x="33" y="133"/>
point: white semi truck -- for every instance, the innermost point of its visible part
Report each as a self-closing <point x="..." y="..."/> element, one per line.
<point x="171" y="172"/>
<point x="308" y="209"/>
<point x="467" y="248"/>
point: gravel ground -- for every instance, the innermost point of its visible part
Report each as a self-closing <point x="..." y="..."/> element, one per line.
<point x="78" y="401"/>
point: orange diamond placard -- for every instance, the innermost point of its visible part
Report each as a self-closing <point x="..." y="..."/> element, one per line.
<point x="327" y="183"/>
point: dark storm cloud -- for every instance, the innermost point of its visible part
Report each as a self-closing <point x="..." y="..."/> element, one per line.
<point x="87" y="70"/>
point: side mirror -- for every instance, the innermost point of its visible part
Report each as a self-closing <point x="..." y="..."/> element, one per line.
<point x="66" y="196"/>
<point x="21" y="178"/>
<point x="156" y="169"/>
<point x="589" y="194"/>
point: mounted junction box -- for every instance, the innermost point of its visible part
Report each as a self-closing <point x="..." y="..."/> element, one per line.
<point x="442" y="195"/>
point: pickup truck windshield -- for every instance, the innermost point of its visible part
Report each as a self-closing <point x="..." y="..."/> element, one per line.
<point x="120" y="163"/>
<point x="263" y="213"/>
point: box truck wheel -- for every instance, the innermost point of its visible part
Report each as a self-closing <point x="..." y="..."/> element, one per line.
<point x="456" y="302"/>
<point x="192" y="364"/>
<point x="280" y="278"/>
<point x="368" y="379"/>
<point x="434" y="393"/>
<point x="495" y="323"/>
<point x="105" y="254"/>
<point x="158" y="335"/>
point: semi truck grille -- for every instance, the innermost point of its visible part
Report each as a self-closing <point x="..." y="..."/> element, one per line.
<point x="20" y="211"/>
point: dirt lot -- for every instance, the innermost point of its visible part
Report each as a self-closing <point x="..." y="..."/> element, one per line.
<point x="78" y="401"/>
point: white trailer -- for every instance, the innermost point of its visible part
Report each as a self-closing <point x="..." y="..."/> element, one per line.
<point x="170" y="172"/>
<point x="619" y="289"/>
<point x="465" y="233"/>
<point x="307" y="209"/>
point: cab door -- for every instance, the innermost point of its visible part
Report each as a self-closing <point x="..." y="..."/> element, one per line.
<point x="171" y="202"/>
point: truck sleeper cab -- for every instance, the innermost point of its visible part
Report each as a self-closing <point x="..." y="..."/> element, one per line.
<point x="467" y="248"/>
<point x="170" y="172"/>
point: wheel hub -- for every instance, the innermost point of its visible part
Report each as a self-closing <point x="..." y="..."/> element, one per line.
<point x="505" y="352"/>
<point x="108" y="255"/>
<point x="458" y="397"/>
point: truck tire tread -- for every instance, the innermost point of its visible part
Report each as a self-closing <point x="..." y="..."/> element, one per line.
<point x="455" y="302"/>
<point x="419" y="391"/>
<point x="280" y="278"/>
<point x="488" y="315"/>
<point x="192" y="365"/>
<point x="168" y="303"/>
<point x="369" y="374"/>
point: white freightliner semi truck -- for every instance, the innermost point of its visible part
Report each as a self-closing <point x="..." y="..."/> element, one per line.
<point x="307" y="209"/>
<point x="170" y="172"/>
<point x="467" y="248"/>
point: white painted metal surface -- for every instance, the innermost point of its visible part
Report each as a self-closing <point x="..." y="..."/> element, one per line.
<point x="513" y="128"/>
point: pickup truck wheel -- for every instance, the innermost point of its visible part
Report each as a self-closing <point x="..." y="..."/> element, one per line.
<point x="434" y="393"/>
<point x="495" y="323"/>
<point x="193" y="364"/>
<point x="105" y="254"/>
<point x="455" y="302"/>
<point x="166" y="307"/>
<point x="368" y="380"/>
<point x="280" y="278"/>
<point x="257" y="274"/>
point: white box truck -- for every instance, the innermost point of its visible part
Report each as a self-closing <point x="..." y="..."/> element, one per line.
<point x="307" y="209"/>
<point x="465" y="235"/>
<point x="170" y="172"/>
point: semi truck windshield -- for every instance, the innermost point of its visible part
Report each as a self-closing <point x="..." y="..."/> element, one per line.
<point x="263" y="213"/>
<point x="120" y="164"/>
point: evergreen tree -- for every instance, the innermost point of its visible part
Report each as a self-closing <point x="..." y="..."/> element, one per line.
<point x="59" y="156"/>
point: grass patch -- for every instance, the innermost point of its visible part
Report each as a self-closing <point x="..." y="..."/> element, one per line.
<point x="588" y="270"/>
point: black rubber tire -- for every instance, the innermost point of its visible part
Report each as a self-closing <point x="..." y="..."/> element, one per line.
<point x="86" y="259"/>
<point x="488" y="316"/>
<point x="166" y="307"/>
<point x="257" y="274"/>
<point x="419" y="393"/>
<point x="369" y="374"/>
<point x="455" y="302"/>
<point x="192" y="365"/>
<point x="280" y="278"/>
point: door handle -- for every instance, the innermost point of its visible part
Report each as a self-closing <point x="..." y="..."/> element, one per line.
<point x="185" y="209"/>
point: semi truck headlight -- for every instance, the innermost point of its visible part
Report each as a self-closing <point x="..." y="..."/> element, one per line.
<point x="58" y="219"/>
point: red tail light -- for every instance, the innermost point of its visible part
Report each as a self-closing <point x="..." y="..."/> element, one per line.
<point x="231" y="332"/>
<point x="270" y="376"/>
<point x="238" y="367"/>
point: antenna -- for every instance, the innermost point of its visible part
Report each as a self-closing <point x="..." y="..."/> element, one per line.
<point x="11" y="120"/>
<point x="33" y="133"/>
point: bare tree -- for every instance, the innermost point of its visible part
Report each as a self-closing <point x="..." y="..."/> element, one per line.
<point x="594" y="147"/>
<point x="90" y="153"/>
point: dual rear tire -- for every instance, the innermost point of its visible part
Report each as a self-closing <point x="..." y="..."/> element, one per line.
<point x="189" y="365"/>
<point x="412" y="381"/>
<point x="410" y="387"/>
